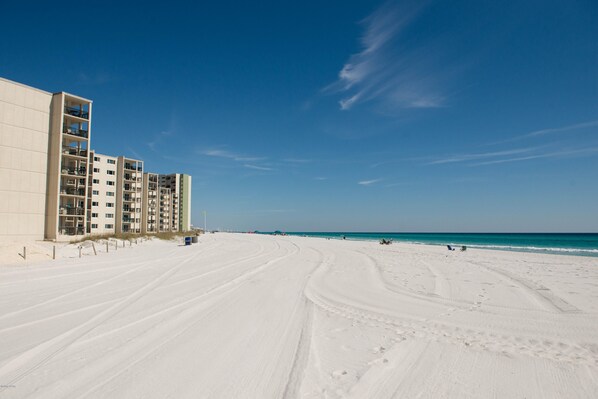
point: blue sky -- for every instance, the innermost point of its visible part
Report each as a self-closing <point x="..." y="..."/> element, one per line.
<point x="336" y="115"/>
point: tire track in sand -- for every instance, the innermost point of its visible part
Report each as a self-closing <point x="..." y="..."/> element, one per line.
<point x="24" y="364"/>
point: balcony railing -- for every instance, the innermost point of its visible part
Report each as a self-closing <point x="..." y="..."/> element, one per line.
<point x="74" y="171"/>
<point x="76" y="132"/>
<point x="71" y="211"/>
<point x="78" y="112"/>
<point x="74" y="151"/>
<point x="72" y="191"/>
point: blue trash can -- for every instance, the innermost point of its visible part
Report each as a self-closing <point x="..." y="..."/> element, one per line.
<point x="187" y="240"/>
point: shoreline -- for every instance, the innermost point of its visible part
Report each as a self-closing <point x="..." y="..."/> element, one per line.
<point x="584" y="252"/>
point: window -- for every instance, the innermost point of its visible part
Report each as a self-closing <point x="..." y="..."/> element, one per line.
<point x="96" y="170"/>
<point x="96" y="181"/>
<point x="111" y="161"/>
<point x="110" y="193"/>
<point x="97" y="159"/>
<point x="110" y="172"/>
<point x="95" y="192"/>
<point x="110" y="204"/>
<point x="110" y="215"/>
<point x="94" y="226"/>
<point x="108" y="226"/>
<point x="95" y="203"/>
<point x="110" y="183"/>
<point x="94" y="215"/>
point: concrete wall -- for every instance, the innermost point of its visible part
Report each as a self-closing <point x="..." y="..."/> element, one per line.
<point x="24" y="141"/>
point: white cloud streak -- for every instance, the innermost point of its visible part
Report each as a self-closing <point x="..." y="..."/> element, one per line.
<point x="380" y="71"/>
<point x="230" y="155"/>
<point x="562" y="129"/>
<point x="369" y="182"/>
<point x="256" y="167"/>
<point x="556" y="154"/>
<point x="471" y="157"/>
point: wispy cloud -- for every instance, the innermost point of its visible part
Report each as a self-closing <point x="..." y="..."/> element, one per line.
<point x="166" y="134"/>
<point x="256" y="167"/>
<point x="549" y="131"/>
<point x="135" y="153"/>
<point x="580" y="152"/>
<point x="320" y="178"/>
<point x="562" y="129"/>
<point x="369" y="182"/>
<point x="230" y="155"/>
<point x="516" y="155"/>
<point x="385" y="69"/>
<point x="157" y="139"/>
<point x="471" y="157"/>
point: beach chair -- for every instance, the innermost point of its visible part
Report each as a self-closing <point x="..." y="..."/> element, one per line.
<point x="450" y="248"/>
<point x="463" y="248"/>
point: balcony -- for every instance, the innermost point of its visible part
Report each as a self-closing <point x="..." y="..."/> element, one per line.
<point x="65" y="190"/>
<point x="74" y="152"/>
<point x="76" y="132"/>
<point x="68" y="211"/>
<point x="74" y="171"/>
<point x="129" y="166"/>
<point x="78" y="112"/>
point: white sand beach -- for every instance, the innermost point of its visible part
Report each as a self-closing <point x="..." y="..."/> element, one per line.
<point x="253" y="316"/>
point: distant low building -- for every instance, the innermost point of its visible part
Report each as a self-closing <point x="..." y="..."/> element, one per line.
<point x="180" y="188"/>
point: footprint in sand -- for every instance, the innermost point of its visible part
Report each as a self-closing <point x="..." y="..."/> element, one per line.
<point x="339" y="373"/>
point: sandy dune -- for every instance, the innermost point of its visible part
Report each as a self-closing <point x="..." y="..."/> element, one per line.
<point x="249" y="316"/>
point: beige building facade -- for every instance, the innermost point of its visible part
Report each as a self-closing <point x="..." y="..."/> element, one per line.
<point x="24" y="139"/>
<point x="44" y="142"/>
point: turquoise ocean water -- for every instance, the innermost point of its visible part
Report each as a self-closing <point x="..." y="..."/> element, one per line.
<point x="583" y="244"/>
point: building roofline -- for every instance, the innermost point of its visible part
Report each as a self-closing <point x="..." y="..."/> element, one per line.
<point x="103" y="155"/>
<point x="25" y="86"/>
<point x="75" y="96"/>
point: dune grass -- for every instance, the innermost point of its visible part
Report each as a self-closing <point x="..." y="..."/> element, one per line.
<point x="168" y="235"/>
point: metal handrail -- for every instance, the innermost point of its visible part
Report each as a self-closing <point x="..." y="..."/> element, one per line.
<point x="76" y="132"/>
<point x="81" y="113"/>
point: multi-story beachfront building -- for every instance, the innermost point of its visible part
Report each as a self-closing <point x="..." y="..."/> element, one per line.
<point x="180" y="188"/>
<point x="54" y="187"/>
<point x="164" y="220"/>
<point x="149" y="218"/>
<point x="129" y="187"/>
<point x="101" y="194"/>
<point x="44" y="143"/>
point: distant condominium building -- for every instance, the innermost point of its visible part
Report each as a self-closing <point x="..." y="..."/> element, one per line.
<point x="180" y="188"/>
<point x="129" y="193"/>
<point x="165" y="210"/>
<point x="101" y="194"/>
<point x="150" y="203"/>
<point x="44" y="155"/>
